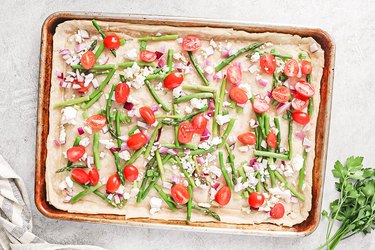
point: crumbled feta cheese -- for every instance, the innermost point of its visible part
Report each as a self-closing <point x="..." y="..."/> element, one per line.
<point x="253" y="123"/>
<point x="62" y="137"/>
<point x="62" y="185"/>
<point x="167" y="185"/>
<point x="126" y="196"/>
<point x="226" y="104"/>
<point x="222" y="119"/>
<point x="125" y="155"/>
<point x="255" y="57"/>
<point x="131" y="54"/>
<point x="208" y="51"/>
<point x="87" y="129"/>
<point x="213" y="43"/>
<point x="138" y="82"/>
<point x="188" y="109"/>
<point x="216" y="141"/>
<point x="179" y="40"/>
<point x="108" y="143"/>
<point x="197" y="103"/>
<point x="215" y="170"/>
<point x="204" y="145"/>
<point x="134" y="192"/>
<point x="85" y="141"/>
<point x="204" y="204"/>
<point x="102" y="155"/>
<point x="69" y="182"/>
<point x="177" y="92"/>
<point x="68" y="115"/>
<point x="209" y="70"/>
<point x="247" y="89"/>
<point x="297" y="162"/>
<point x="244" y="149"/>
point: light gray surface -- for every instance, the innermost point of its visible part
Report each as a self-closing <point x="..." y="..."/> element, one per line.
<point x="352" y="25"/>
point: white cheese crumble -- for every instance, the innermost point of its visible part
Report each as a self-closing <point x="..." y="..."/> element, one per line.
<point x="215" y="170"/>
<point x="85" y="141"/>
<point x="69" y="182"/>
<point x="314" y="48"/>
<point x="125" y="155"/>
<point x="62" y="137"/>
<point x="222" y="119"/>
<point x="244" y="149"/>
<point x="255" y="57"/>
<point x="107" y="143"/>
<point x="68" y="115"/>
<point x="177" y="92"/>
<point x="297" y="162"/>
<point x="188" y="109"/>
<point x="155" y="204"/>
<point x="216" y="141"/>
<point x="247" y="89"/>
<point x="138" y="82"/>
<point x="198" y="104"/>
<point x="131" y="54"/>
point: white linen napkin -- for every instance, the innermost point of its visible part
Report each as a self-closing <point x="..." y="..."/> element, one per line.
<point x="15" y="216"/>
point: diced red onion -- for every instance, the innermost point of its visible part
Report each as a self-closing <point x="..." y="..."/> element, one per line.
<point x="237" y="64"/>
<point x="163" y="150"/>
<point x="80" y="131"/>
<point x="105" y="129"/>
<point x="57" y="143"/>
<point x="267" y="99"/>
<point x="210" y="114"/>
<point x="205" y="135"/>
<point x="186" y="151"/>
<point x="148" y="138"/>
<point x="143" y="125"/>
<point x="154" y="107"/>
<point x="128" y="106"/>
<point x="172" y="151"/>
<point x="300" y="135"/>
<point x="158" y="136"/>
<point x="269" y="94"/>
<point x="216" y="185"/>
<point x="263" y="144"/>
<point x="306" y="142"/>
<point x="67" y="199"/>
<point x="114" y="149"/>
<point x="188" y="64"/>
<point x="84" y="34"/>
<point x="263" y="82"/>
<point x="95" y="83"/>
<point x="90" y="160"/>
<point x="257" y="166"/>
<point x="159" y="54"/>
<point x="307" y="127"/>
<point x="282" y="108"/>
<point x="232" y="51"/>
<point x="124" y="147"/>
<point x="241" y="105"/>
<point x="207" y="117"/>
<point x="161" y="63"/>
<point x="207" y="62"/>
<point x="163" y="49"/>
<point x="283" y="162"/>
<point x="64" y="52"/>
<point x="200" y="160"/>
<point x="225" y="54"/>
<point x="209" y="77"/>
<point x="252" y="161"/>
<point x="59" y="74"/>
<point x="176" y="179"/>
<point x="217" y="76"/>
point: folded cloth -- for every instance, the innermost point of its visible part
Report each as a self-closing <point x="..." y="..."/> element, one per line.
<point x="15" y="216"/>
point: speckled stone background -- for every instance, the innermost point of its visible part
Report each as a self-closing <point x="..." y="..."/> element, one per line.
<point x="352" y="25"/>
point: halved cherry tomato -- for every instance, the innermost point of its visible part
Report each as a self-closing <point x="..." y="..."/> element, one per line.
<point x="301" y="117"/>
<point x="199" y="124"/>
<point x="113" y="183"/>
<point x="272" y="140"/>
<point x="96" y="122"/>
<point x="306" y="67"/>
<point x="248" y="138"/>
<point x="277" y="211"/>
<point x="80" y="176"/>
<point x="304" y="89"/>
<point x="222" y="196"/>
<point x="185" y="132"/>
<point x="136" y="141"/>
<point x="191" y="43"/>
<point x="122" y="91"/>
<point x="268" y="63"/>
<point x="173" y="80"/>
<point x="83" y="89"/>
<point x="260" y="106"/>
<point x="131" y="173"/>
<point x="256" y="200"/>
<point x="75" y="153"/>
<point x="112" y="42"/>
<point x="281" y="94"/>
<point x="234" y="74"/>
<point x="147" y="56"/>
<point x="94" y="176"/>
<point x="291" y="68"/>
<point x="88" y="59"/>
<point x="180" y="194"/>
<point x="299" y="104"/>
<point x="147" y="114"/>
<point x="238" y="95"/>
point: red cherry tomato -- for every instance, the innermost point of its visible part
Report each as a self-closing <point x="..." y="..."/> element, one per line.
<point x="272" y="140"/>
<point x="268" y="63"/>
<point x="256" y="200"/>
<point x="301" y="117"/>
<point x="291" y="68"/>
<point x="113" y="183"/>
<point x="191" y="43"/>
<point x="248" y="138"/>
<point x="281" y="94"/>
<point x="180" y="194"/>
<point x="185" y="132"/>
<point x="122" y="91"/>
<point x="75" y="153"/>
<point x="238" y="95"/>
<point x="96" y="122"/>
<point x="94" y="176"/>
<point x="173" y="80"/>
<point x="277" y="211"/>
<point x="83" y="89"/>
<point x="88" y="59"/>
<point x="299" y="104"/>
<point x="222" y="196"/>
<point x="234" y="74"/>
<point x="306" y="67"/>
<point x="147" y="114"/>
<point x="112" y="42"/>
<point x="80" y="176"/>
<point x="136" y="141"/>
<point x="199" y="123"/>
<point x="131" y="173"/>
<point x="147" y="56"/>
<point x="260" y="106"/>
<point x="304" y="89"/>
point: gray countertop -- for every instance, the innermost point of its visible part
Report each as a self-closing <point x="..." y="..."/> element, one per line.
<point x="352" y="25"/>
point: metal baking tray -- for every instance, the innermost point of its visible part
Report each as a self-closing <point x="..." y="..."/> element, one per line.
<point x="302" y="229"/>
